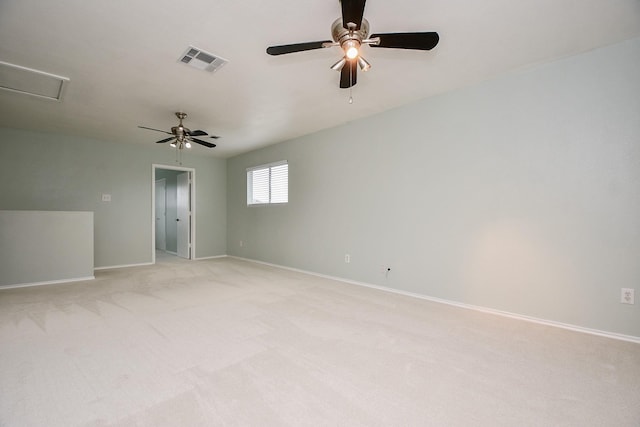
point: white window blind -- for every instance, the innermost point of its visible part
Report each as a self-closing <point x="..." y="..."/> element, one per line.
<point x="280" y="184"/>
<point x="260" y="186"/>
<point x="268" y="184"/>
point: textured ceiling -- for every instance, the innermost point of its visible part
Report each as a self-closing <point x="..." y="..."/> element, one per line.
<point x="121" y="57"/>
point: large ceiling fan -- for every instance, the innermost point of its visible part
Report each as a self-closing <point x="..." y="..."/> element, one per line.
<point x="183" y="137"/>
<point x="351" y="32"/>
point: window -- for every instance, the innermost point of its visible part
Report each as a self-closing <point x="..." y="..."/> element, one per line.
<point x="268" y="183"/>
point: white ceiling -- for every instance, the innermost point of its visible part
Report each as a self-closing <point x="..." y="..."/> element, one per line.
<point x="122" y="60"/>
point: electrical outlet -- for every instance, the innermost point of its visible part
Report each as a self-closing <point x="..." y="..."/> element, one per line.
<point x="106" y="197"/>
<point x="626" y="296"/>
<point x="347" y="258"/>
<point x="241" y="243"/>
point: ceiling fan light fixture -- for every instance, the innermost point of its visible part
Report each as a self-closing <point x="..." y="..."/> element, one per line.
<point x="187" y="144"/>
<point x="338" y="65"/>
<point x="364" y="65"/>
<point x="173" y="144"/>
<point x="351" y="48"/>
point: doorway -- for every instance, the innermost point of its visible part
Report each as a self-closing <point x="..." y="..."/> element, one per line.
<point x="161" y="214"/>
<point x="173" y="212"/>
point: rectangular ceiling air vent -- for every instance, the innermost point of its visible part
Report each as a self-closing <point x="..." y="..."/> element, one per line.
<point x="202" y="60"/>
<point x="28" y="81"/>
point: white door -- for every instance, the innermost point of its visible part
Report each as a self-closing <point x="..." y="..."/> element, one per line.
<point x="184" y="215"/>
<point x="161" y="215"/>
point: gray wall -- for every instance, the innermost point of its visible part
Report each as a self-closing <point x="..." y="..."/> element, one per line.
<point x="55" y="172"/>
<point x="38" y="246"/>
<point x="520" y="194"/>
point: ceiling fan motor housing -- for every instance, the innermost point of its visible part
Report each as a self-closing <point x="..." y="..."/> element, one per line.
<point x="342" y="35"/>
<point x="180" y="131"/>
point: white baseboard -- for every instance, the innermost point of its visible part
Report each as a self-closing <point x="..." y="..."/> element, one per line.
<point x="48" y="282"/>
<point x="110" y="267"/>
<point x="210" y="257"/>
<point x="488" y="310"/>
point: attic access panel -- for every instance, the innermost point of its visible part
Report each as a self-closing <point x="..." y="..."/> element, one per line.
<point x="28" y="81"/>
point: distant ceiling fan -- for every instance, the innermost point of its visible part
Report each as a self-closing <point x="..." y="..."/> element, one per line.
<point x="351" y="32"/>
<point x="183" y="137"/>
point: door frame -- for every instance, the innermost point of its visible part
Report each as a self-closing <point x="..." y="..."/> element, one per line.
<point x="182" y="196"/>
<point x="155" y="199"/>
<point x="192" y="195"/>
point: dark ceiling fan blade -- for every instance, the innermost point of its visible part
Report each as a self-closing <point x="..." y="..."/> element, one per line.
<point x="352" y="11"/>
<point x="199" y="141"/>
<point x="214" y="136"/>
<point x="298" y="47"/>
<point x="197" y="133"/>
<point x="157" y="130"/>
<point x="165" y="140"/>
<point x="419" y="41"/>
<point x="349" y="74"/>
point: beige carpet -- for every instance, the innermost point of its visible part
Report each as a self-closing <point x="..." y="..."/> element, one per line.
<point x="227" y="342"/>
